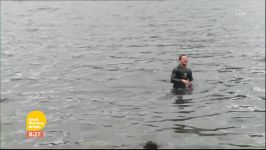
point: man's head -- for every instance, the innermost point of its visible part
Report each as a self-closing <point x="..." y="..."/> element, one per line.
<point x="183" y="59"/>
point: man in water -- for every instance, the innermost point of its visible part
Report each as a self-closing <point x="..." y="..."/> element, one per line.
<point x="181" y="75"/>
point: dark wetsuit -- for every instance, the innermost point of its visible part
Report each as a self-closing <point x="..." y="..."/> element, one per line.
<point x="180" y="72"/>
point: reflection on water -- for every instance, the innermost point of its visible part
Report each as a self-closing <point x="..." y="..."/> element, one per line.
<point x="181" y="128"/>
<point x="182" y="91"/>
<point x="150" y="145"/>
<point x="180" y="100"/>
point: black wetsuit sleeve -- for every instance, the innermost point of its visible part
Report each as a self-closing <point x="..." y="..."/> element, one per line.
<point x="190" y="77"/>
<point x="173" y="79"/>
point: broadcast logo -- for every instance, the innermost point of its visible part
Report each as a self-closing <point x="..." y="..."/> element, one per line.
<point x="35" y="123"/>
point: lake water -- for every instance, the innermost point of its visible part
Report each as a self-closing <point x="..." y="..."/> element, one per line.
<point x="100" y="71"/>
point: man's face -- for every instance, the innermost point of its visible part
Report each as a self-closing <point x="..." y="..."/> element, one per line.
<point x="184" y="60"/>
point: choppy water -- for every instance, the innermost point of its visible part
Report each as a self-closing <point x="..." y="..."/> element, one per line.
<point x="100" y="71"/>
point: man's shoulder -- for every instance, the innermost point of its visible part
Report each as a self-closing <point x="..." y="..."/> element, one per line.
<point x="176" y="68"/>
<point x="188" y="68"/>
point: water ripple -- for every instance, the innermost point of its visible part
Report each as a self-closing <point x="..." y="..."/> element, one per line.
<point x="103" y="73"/>
<point x="181" y="128"/>
<point x="184" y="119"/>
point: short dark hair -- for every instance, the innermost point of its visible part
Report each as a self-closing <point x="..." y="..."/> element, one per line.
<point x="181" y="56"/>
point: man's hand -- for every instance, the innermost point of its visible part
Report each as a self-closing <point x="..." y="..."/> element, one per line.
<point x="187" y="83"/>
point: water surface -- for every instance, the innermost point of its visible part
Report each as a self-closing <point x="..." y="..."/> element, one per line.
<point x="100" y="71"/>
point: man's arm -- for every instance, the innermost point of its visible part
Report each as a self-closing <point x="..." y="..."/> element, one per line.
<point x="190" y="77"/>
<point x="173" y="80"/>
